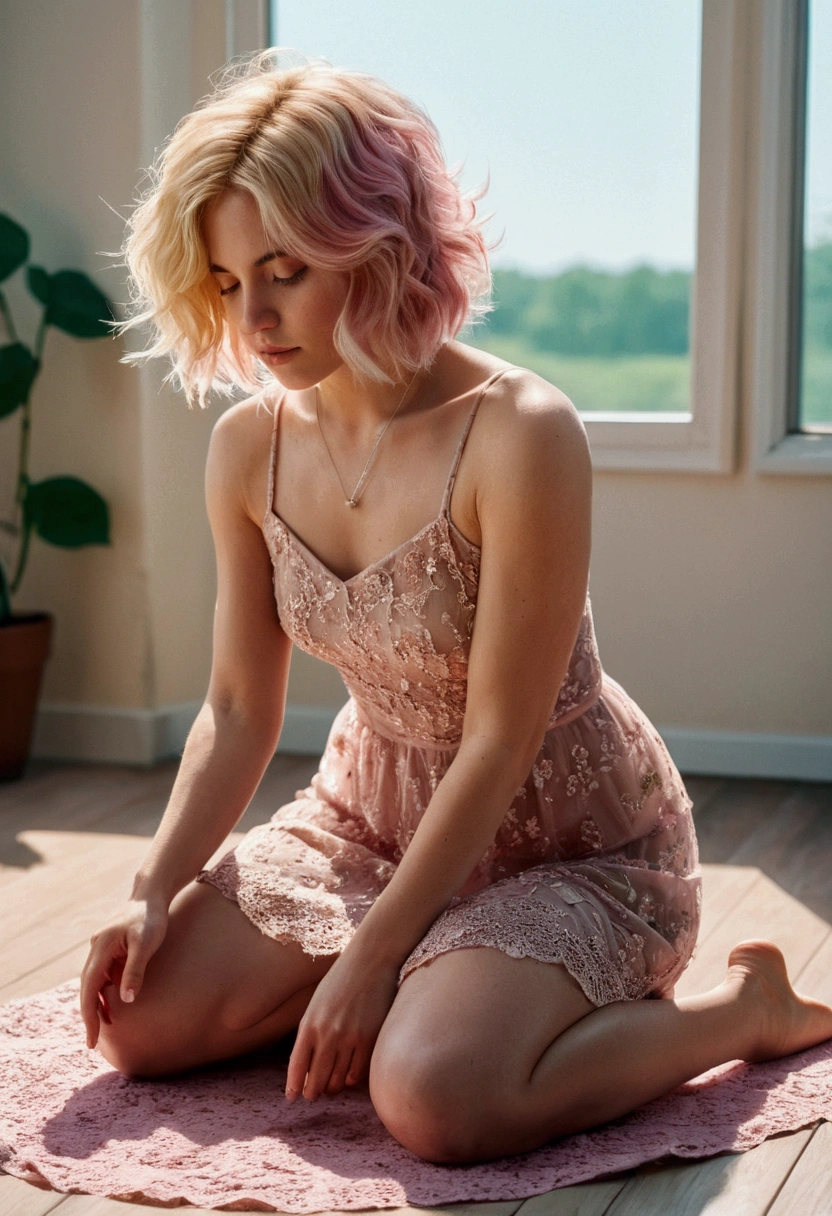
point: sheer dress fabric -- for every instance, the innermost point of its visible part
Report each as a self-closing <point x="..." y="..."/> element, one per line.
<point x="595" y="864"/>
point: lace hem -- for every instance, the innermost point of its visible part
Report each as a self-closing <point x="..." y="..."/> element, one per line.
<point x="519" y="936"/>
<point x="320" y="926"/>
<point x="611" y="962"/>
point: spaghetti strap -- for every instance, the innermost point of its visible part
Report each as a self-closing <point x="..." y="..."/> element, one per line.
<point x="449" y="488"/>
<point x="273" y="457"/>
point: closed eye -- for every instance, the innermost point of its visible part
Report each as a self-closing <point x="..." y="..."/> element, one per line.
<point x="295" y="278"/>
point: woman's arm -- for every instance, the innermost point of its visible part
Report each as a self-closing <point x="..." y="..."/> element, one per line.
<point x="534" y="508"/>
<point x="236" y="730"/>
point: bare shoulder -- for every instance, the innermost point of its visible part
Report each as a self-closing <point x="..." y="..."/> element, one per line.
<point x="529" y="432"/>
<point x="239" y="453"/>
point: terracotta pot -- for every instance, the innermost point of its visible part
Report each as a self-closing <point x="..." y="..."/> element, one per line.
<point x="24" y="648"/>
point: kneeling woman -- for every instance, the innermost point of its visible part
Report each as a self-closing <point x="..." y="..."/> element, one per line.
<point x="494" y="871"/>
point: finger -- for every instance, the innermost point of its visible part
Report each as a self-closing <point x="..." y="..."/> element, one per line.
<point x="95" y="976"/>
<point x="132" y="977"/>
<point x="338" y="1075"/>
<point x="89" y="1015"/>
<point x="299" y="1062"/>
<point x="360" y="1067"/>
<point x="131" y="980"/>
<point x="104" y="1009"/>
<point x="320" y="1070"/>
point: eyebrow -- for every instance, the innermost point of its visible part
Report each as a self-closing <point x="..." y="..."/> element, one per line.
<point x="267" y="257"/>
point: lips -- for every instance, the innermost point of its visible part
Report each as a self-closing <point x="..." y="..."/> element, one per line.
<point x="275" y="350"/>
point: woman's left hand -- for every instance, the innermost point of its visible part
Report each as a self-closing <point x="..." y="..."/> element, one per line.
<point x="338" y="1031"/>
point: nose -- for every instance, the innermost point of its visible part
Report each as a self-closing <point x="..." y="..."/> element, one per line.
<point x="259" y="311"/>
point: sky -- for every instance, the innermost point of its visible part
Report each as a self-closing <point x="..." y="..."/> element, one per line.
<point x="583" y="112"/>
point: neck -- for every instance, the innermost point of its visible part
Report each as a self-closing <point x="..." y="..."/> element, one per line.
<point x="369" y="403"/>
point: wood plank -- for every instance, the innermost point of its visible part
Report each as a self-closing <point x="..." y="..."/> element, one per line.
<point x="79" y="796"/>
<point x="723" y="887"/>
<point x="815" y="978"/>
<point x="702" y="789"/>
<point x="96" y="1205"/>
<point x="66" y="919"/>
<point x="584" y="1199"/>
<point x="765" y="911"/>
<point x="68" y="859"/>
<point x="58" y="970"/>
<point x="86" y="799"/>
<point x="19" y="1198"/>
<point x="808" y="1189"/>
<point x="732" y="814"/>
<point x="91" y="1205"/>
<point x="132" y="807"/>
<point x="501" y="1207"/>
<point x="733" y="1184"/>
<point x="793" y="847"/>
<point x="72" y="913"/>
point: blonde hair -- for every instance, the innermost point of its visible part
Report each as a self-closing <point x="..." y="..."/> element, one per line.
<point x="348" y="174"/>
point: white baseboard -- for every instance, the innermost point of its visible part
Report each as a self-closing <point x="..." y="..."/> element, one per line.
<point x="717" y="753"/>
<point x="141" y="736"/>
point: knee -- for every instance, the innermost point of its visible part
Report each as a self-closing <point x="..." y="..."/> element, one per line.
<point x="135" y="1042"/>
<point x="133" y="1055"/>
<point x="427" y="1104"/>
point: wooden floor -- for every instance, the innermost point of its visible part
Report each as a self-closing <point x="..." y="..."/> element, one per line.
<point x="767" y="853"/>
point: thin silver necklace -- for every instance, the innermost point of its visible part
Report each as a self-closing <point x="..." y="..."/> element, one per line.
<point x="352" y="499"/>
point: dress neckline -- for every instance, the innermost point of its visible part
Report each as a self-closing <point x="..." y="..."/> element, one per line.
<point x="443" y="516"/>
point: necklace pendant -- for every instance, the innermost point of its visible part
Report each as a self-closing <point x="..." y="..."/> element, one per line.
<point x="351" y="502"/>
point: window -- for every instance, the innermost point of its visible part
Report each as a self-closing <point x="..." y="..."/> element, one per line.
<point x="752" y="255"/>
<point x="618" y="249"/>
<point x="586" y="115"/>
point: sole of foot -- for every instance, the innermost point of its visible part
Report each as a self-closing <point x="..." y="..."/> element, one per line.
<point x="782" y="1020"/>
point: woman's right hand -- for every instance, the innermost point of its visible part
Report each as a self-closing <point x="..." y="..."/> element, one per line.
<point x="119" y="954"/>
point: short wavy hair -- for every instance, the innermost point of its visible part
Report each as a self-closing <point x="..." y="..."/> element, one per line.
<point x="349" y="175"/>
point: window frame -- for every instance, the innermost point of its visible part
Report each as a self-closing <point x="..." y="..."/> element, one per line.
<point x="703" y="439"/>
<point x="776" y="248"/>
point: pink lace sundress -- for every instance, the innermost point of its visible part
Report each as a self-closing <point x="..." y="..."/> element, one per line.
<point x="595" y="864"/>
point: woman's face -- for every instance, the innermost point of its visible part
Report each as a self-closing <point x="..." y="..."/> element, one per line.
<point x="271" y="298"/>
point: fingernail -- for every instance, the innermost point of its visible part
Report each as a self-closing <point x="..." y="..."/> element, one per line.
<point x="128" y="996"/>
<point x="290" y="1095"/>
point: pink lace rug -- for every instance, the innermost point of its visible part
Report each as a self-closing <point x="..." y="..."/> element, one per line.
<point x="225" y="1137"/>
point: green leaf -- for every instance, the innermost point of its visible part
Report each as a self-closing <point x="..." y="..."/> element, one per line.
<point x="18" y="369"/>
<point x="14" y="246"/>
<point x="67" y="512"/>
<point x="73" y="302"/>
<point x="38" y="281"/>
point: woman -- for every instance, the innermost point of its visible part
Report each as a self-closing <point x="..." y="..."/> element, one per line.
<point x="495" y="865"/>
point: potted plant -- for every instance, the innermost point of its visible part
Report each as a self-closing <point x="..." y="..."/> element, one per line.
<point x="60" y="510"/>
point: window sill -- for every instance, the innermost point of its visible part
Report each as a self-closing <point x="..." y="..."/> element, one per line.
<point x="797" y="453"/>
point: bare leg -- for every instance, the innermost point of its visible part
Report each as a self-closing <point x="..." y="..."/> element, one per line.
<point x="216" y="988"/>
<point x="482" y="1087"/>
<point x="630" y="1052"/>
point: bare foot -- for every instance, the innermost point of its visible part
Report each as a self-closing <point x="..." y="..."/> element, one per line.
<point x="780" y="1020"/>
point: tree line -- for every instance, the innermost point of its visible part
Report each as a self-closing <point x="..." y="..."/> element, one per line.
<point x="583" y="311"/>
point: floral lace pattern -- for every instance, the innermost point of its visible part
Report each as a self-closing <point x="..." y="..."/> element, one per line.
<point x="595" y="864"/>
